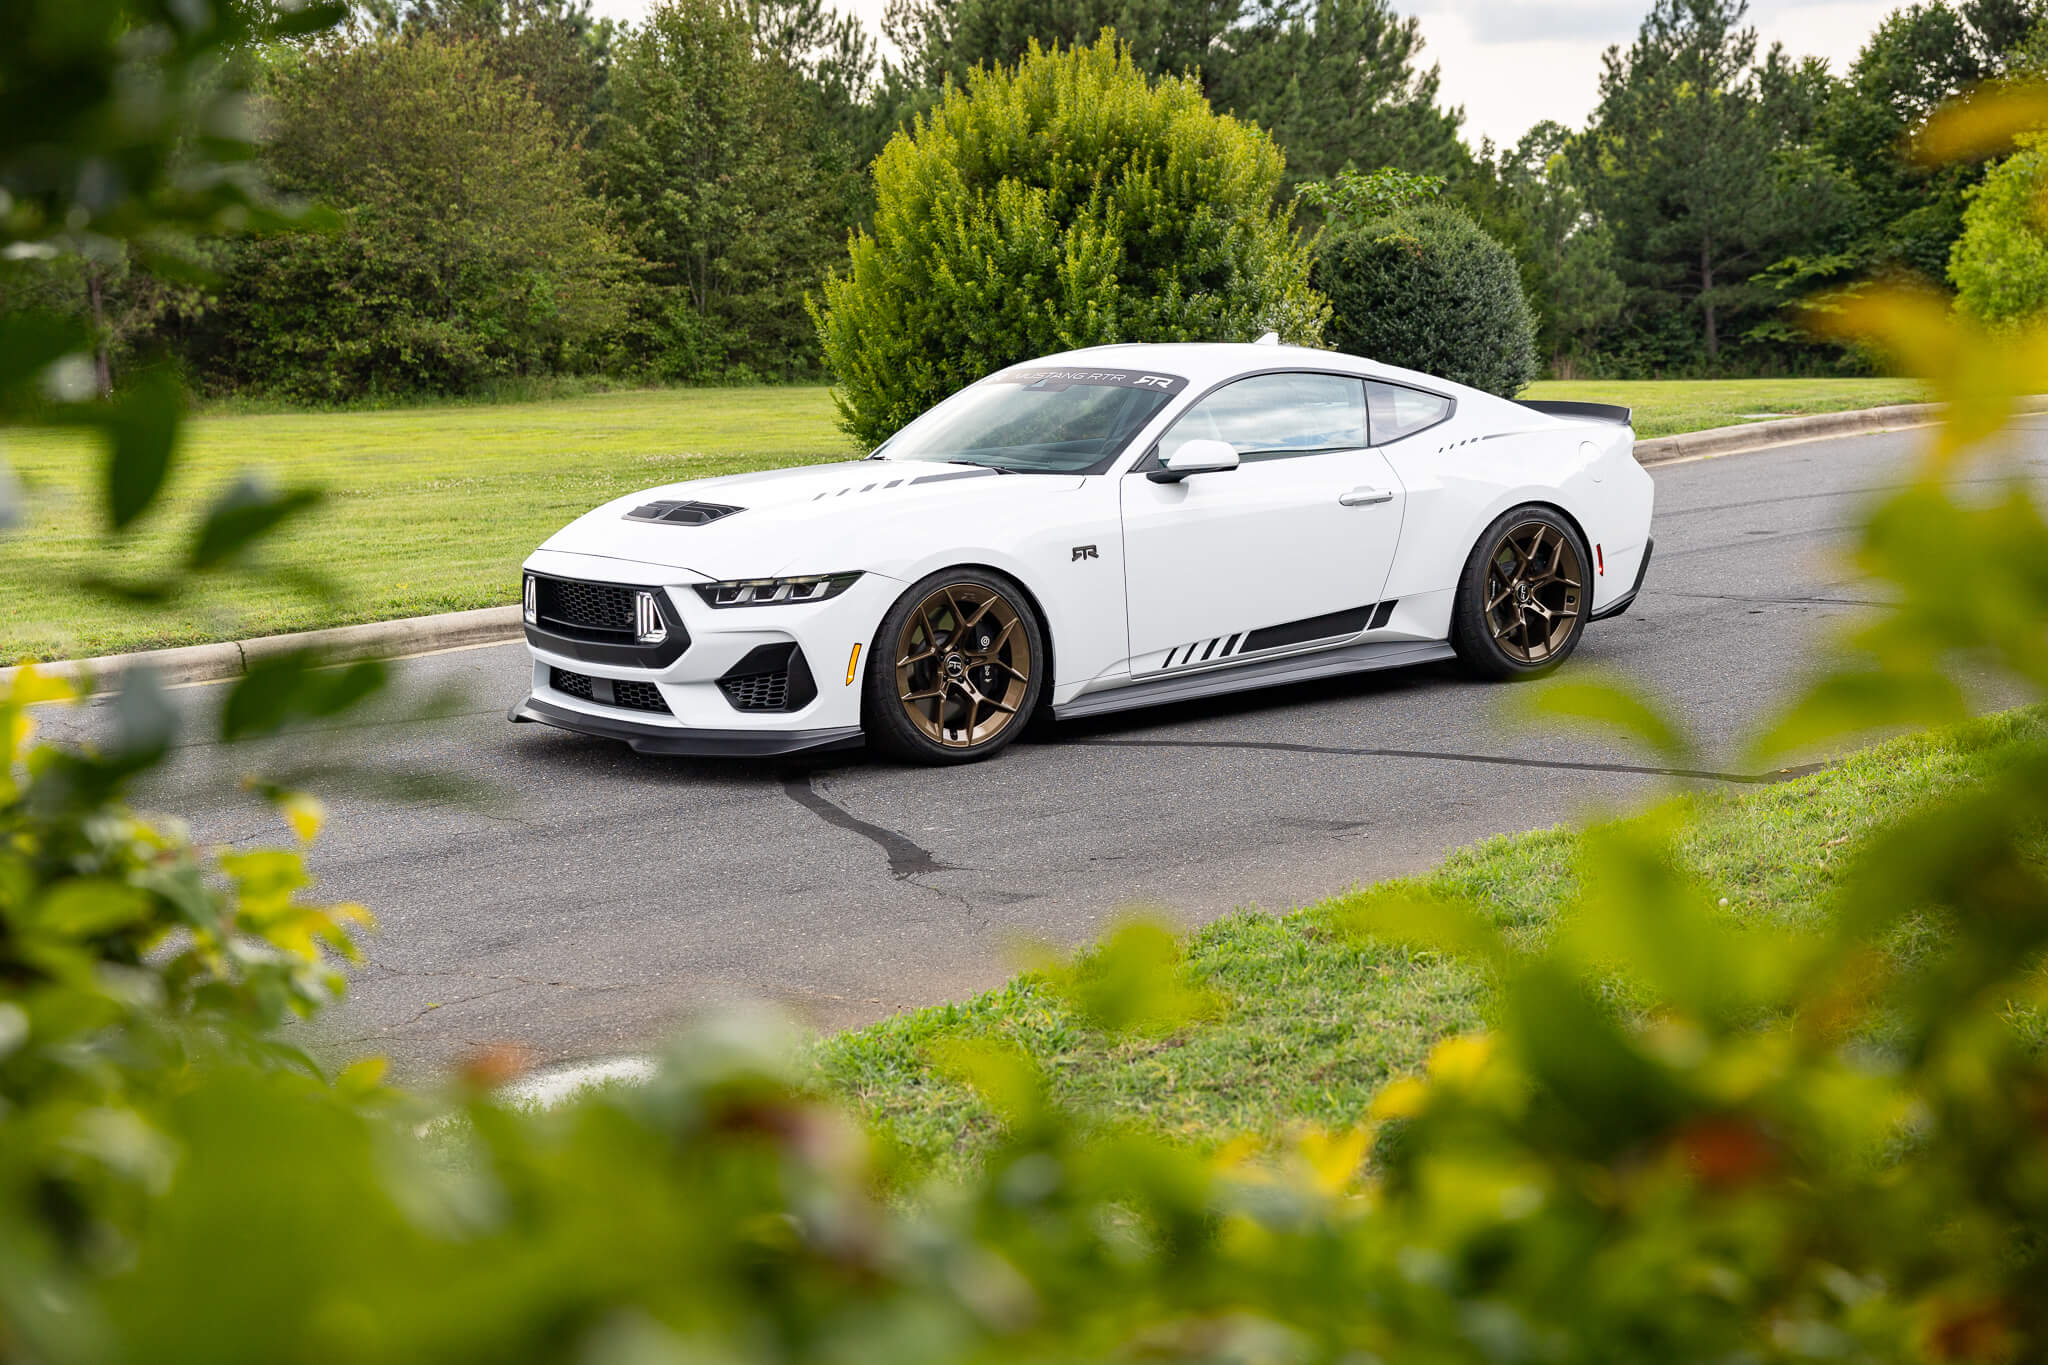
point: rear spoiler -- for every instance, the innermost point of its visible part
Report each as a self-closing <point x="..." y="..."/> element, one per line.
<point x="1592" y="412"/>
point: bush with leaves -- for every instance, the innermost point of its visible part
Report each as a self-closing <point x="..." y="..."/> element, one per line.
<point x="1422" y="286"/>
<point x="1071" y="202"/>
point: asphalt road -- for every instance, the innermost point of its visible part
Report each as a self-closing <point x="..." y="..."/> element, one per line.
<point x="576" y="898"/>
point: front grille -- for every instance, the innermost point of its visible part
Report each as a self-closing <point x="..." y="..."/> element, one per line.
<point x="633" y="696"/>
<point x="758" y="691"/>
<point x="585" y="606"/>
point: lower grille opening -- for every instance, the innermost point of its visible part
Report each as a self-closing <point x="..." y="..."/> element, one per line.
<point x="633" y="696"/>
<point x="758" y="691"/>
<point x="770" y="678"/>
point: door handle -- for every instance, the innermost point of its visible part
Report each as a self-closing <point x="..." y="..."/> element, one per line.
<point x="1366" y="497"/>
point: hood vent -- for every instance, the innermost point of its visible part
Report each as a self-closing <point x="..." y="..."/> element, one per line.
<point x="682" y="513"/>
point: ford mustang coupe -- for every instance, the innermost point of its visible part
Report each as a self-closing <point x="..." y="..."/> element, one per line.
<point x="1109" y="528"/>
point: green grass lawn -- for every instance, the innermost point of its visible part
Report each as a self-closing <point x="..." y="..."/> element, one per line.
<point x="1314" y="1021"/>
<point x="433" y="507"/>
<point x="1666" y="407"/>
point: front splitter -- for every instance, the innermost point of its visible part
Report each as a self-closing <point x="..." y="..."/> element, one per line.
<point x="663" y="739"/>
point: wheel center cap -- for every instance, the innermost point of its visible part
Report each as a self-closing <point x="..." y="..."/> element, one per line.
<point x="956" y="666"/>
<point x="1524" y="594"/>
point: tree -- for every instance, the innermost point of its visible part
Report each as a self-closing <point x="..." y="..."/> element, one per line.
<point x="1070" y="202"/>
<point x="728" y="185"/>
<point x="466" y="248"/>
<point x="1681" y="161"/>
<point x="554" y="47"/>
<point x="1334" y="81"/>
<point x="1999" y="266"/>
<point x="1422" y="286"/>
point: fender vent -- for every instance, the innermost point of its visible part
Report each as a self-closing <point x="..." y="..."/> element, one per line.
<point x="682" y="513"/>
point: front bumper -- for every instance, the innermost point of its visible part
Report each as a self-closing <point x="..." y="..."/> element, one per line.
<point x="670" y="739"/>
<point x="701" y="706"/>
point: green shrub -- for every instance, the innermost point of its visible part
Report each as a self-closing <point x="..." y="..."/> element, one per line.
<point x="1999" y="265"/>
<point x="1071" y="202"/>
<point x="1426" y="288"/>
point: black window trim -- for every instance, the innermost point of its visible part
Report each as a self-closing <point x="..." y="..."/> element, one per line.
<point x="1150" y="459"/>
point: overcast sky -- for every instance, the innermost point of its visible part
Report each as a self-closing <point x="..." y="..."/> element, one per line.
<point x="1512" y="64"/>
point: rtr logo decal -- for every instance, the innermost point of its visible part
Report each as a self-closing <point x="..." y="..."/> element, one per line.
<point x="1085" y="552"/>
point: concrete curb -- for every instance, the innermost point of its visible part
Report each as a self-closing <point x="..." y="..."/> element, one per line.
<point x="372" y="640"/>
<point x="1737" y="440"/>
<point x="498" y="625"/>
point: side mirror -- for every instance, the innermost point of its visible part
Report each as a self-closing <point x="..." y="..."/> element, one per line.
<point x="1195" y="457"/>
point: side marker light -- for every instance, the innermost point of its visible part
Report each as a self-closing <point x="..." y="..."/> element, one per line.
<point x="852" y="663"/>
<point x="1599" y="560"/>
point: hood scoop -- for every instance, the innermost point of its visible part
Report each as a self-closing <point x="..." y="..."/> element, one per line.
<point x="904" y="482"/>
<point x="682" y="513"/>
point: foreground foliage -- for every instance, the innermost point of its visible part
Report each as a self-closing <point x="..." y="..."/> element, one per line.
<point x="1072" y="202"/>
<point x="1685" y="1137"/>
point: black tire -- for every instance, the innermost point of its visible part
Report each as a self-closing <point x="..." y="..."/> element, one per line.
<point x="963" y="723"/>
<point x="1525" y="580"/>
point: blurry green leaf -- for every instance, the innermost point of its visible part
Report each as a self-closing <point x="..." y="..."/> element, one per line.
<point x="1004" y="1075"/>
<point x="1436" y="925"/>
<point x="1639" y="915"/>
<point x="1849" y="703"/>
<point x="247" y="512"/>
<point x="298" y="685"/>
<point x="1609" y="706"/>
<point x="144" y="722"/>
<point x="141" y="430"/>
<point x="1132" y="982"/>
<point x="1981" y="124"/>
<point x="83" y="907"/>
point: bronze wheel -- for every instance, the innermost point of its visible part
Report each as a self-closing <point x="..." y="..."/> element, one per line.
<point x="1522" y="603"/>
<point x="1534" y="584"/>
<point x="962" y="672"/>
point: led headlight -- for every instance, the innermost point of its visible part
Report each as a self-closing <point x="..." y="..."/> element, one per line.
<point x="767" y="592"/>
<point x="532" y="601"/>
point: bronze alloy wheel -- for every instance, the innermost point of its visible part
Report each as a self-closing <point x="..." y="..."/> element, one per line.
<point x="963" y="665"/>
<point x="1534" y="585"/>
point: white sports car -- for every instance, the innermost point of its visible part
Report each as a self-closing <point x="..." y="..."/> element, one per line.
<point x="1108" y="528"/>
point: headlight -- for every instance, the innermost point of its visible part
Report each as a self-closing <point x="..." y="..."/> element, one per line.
<point x="532" y="599"/>
<point x="767" y="592"/>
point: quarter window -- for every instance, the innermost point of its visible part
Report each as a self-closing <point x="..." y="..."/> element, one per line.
<point x="1399" y="411"/>
<point x="1272" y="416"/>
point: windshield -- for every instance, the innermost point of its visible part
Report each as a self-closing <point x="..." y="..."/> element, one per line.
<point x="1037" y="420"/>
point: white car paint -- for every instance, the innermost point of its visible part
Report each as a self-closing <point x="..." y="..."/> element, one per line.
<point x="1126" y="573"/>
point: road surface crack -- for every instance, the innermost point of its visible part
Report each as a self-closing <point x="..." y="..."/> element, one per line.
<point x="1431" y="755"/>
<point x="906" y="859"/>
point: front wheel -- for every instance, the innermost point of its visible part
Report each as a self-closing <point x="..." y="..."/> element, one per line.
<point x="956" y="669"/>
<point x="1522" y="600"/>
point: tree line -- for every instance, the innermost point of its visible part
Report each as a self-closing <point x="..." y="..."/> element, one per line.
<point x="512" y="188"/>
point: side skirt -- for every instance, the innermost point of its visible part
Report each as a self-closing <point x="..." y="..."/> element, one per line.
<point x="1365" y="658"/>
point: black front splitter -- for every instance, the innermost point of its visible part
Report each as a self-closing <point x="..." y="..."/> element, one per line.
<point x="663" y="739"/>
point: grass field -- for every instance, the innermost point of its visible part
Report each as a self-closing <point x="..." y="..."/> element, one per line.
<point x="432" y="508"/>
<point x="1313" y="1022"/>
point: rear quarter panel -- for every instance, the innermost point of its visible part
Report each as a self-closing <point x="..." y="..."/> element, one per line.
<point x="1462" y="475"/>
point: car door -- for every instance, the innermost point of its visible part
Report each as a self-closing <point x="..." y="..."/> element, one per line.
<point x="1291" y="547"/>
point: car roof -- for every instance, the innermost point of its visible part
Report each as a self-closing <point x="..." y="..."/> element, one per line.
<point x="1203" y="363"/>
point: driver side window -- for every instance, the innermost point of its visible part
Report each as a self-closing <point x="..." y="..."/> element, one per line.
<point x="1273" y="416"/>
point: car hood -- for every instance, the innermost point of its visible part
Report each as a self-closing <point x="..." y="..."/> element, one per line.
<point x="858" y="514"/>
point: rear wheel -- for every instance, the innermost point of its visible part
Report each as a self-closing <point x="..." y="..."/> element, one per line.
<point x="1522" y="601"/>
<point x="956" y="669"/>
